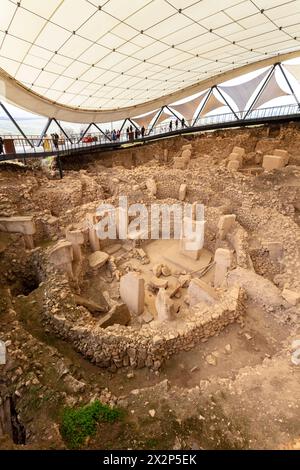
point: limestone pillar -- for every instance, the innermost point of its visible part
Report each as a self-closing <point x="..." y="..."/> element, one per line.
<point x="223" y="260"/>
<point x="132" y="292"/>
<point x="62" y="256"/>
<point x="164" y="306"/>
<point x="76" y="237"/>
<point x="93" y="237"/>
<point x="224" y="225"/>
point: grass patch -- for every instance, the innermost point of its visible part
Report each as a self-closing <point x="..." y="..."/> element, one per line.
<point x="80" y="423"/>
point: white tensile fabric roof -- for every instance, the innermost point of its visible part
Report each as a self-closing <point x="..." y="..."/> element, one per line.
<point x="111" y="54"/>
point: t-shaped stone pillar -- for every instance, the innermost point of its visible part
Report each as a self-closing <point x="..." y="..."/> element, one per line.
<point x="19" y="224"/>
<point x="62" y="256"/>
<point x="192" y="238"/>
<point x="223" y="260"/>
<point x="132" y="291"/>
<point x="76" y="237"/>
<point x="2" y="353"/>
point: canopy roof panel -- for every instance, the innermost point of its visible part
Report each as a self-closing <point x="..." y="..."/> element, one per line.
<point x="110" y="54"/>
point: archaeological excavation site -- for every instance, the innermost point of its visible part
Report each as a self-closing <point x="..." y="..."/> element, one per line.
<point x="149" y="232"/>
<point x="192" y="348"/>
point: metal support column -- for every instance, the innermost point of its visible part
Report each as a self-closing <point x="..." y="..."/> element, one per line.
<point x="16" y="124"/>
<point x="102" y="132"/>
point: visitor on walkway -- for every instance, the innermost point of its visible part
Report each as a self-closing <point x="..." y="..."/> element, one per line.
<point x="182" y="122"/>
<point x="114" y="136"/>
<point x="143" y="130"/>
<point x="170" y="126"/>
<point x="55" y="140"/>
<point x="176" y="124"/>
<point x="118" y="134"/>
<point x="127" y="133"/>
<point x="131" y="134"/>
<point x="1" y="145"/>
<point x="136" y="133"/>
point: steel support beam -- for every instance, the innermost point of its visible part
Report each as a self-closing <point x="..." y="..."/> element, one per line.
<point x="261" y="90"/>
<point x="44" y="131"/>
<point x="289" y="84"/>
<point x="85" y="132"/>
<point x="62" y="130"/>
<point x="102" y="132"/>
<point x="16" y="124"/>
<point x="230" y="107"/>
<point x="203" y="106"/>
<point x="156" y="119"/>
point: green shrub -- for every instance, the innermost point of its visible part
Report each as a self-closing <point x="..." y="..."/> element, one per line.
<point x="79" y="423"/>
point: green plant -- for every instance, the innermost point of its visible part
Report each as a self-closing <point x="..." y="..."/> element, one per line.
<point x="79" y="423"/>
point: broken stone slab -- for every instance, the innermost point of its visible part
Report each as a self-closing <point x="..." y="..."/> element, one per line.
<point x="20" y="224"/>
<point x="291" y="297"/>
<point x="118" y="314"/>
<point x="164" y="306"/>
<point x="147" y="317"/>
<point x="233" y="165"/>
<point x="158" y="283"/>
<point x="132" y="291"/>
<point x="112" y="249"/>
<point x="157" y="270"/>
<point x="225" y="223"/>
<point x="199" y="291"/>
<point x="260" y="290"/>
<point x="93" y="307"/>
<point x="273" y="162"/>
<point x="182" y="192"/>
<point x="98" y="259"/>
<point x="282" y="153"/>
<point x="151" y="186"/>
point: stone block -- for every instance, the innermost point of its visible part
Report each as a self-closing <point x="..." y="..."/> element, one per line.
<point x="233" y="165"/>
<point x="98" y="259"/>
<point x="282" y="153"/>
<point x="118" y="314"/>
<point x="182" y="192"/>
<point x="239" y="150"/>
<point x="2" y="353"/>
<point x="20" y="224"/>
<point x="225" y="223"/>
<point x="235" y="157"/>
<point x="180" y="163"/>
<point x="187" y="147"/>
<point x="186" y="155"/>
<point x="199" y="291"/>
<point x="132" y="291"/>
<point x="151" y="186"/>
<point x="290" y="296"/>
<point x="93" y="237"/>
<point x="273" y="162"/>
<point x="61" y="255"/>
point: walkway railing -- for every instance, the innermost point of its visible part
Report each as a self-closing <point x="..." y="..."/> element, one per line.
<point x="18" y="147"/>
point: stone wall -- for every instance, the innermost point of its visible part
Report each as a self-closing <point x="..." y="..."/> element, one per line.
<point x="118" y="346"/>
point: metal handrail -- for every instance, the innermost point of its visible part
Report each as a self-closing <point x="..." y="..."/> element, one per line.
<point x="99" y="140"/>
